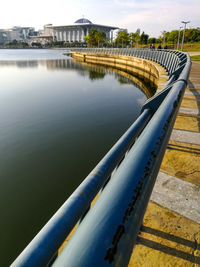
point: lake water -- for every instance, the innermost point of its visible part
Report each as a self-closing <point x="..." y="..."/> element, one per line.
<point x="58" y="118"/>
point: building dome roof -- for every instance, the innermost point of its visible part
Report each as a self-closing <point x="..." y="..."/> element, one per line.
<point x="83" y="20"/>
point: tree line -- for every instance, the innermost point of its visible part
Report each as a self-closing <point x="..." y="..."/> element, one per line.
<point x="97" y="38"/>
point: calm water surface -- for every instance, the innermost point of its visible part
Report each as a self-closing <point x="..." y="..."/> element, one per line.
<point x="57" y="120"/>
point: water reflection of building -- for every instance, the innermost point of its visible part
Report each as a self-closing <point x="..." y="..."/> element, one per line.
<point x="20" y="63"/>
<point x="77" y="31"/>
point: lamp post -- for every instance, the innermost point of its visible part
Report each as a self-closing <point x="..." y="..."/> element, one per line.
<point x="179" y="37"/>
<point x="184" y="22"/>
<point x="164" y="39"/>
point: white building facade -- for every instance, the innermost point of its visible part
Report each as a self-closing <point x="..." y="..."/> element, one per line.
<point x="77" y="31"/>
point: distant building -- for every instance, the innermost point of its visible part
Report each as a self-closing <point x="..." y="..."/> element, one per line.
<point x="138" y="31"/>
<point x="27" y="32"/>
<point x="77" y="31"/>
<point x="16" y="33"/>
<point x="3" y="36"/>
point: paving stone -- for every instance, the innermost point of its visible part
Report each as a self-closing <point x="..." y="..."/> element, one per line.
<point x="192" y="111"/>
<point x="177" y="195"/>
<point x="185" y="137"/>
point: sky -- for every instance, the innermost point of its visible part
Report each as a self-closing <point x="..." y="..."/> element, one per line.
<point x="153" y="17"/>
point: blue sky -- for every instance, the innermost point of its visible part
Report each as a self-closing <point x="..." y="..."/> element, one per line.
<point x="153" y="16"/>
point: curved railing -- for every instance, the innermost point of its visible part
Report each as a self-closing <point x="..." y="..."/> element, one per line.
<point x="124" y="179"/>
<point x="171" y="60"/>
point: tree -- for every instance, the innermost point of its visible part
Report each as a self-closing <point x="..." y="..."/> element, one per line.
<point x="172" y="36"/>
<point x="100" y="37"/>
<point x="90" y="39"/>
<point x="144" y="38"/>
<point x="191" y="35"/>
<point x="152" y="40"/>
<point x="36" y="44"/>
<point x="14" y="42"/>
<point x="24" y="44"/>
<point x="134" y="38"/>
<point x="95" y="37"/>
<point x="195" y="35"/>
<point x="123" y="39"/>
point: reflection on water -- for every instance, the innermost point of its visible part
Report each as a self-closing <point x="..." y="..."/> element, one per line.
<point x="90" y="70"/>
<point x="20" y="64"/>
<point x="31" y="54"/>
<point x="58" y="118"/>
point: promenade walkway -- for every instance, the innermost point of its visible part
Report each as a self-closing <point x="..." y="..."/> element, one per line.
<point x="170" y="234"/>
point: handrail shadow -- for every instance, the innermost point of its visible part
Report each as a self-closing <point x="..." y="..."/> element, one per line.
<point x="183" y="149"/>
<point x="166" y="249"/>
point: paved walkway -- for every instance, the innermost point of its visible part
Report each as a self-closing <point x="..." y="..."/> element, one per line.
<point x="194" y="53"/>
<point x="170" y="234"/>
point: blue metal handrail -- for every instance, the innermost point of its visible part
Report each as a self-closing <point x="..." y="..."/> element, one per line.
<point x="118" y="211"/>
<point x="108" y="233"/>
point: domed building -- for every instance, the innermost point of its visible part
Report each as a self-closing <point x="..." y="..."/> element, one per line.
<point x="83" y="20"/>
<point x="77" y="31"/>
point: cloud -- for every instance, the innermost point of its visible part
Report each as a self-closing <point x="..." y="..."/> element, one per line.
<point x="150" y="16"/>
<point x="135" y="4"/>
<point x="142" y="100"/>
<point x="157" y="16"/>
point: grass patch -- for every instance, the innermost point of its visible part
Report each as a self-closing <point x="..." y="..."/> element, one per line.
<point x="189" y="47"/>
<point x="195" y="58"/>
